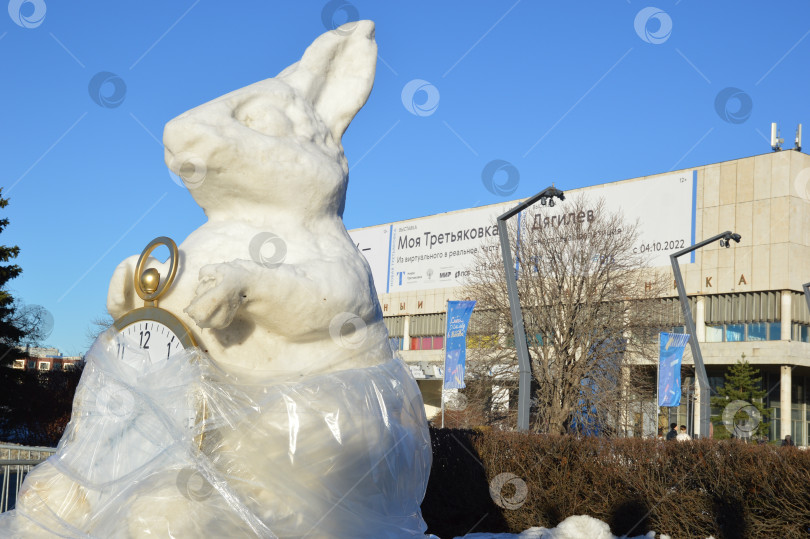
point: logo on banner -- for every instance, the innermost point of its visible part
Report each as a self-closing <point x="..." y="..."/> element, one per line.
<point x="672" y="346"/>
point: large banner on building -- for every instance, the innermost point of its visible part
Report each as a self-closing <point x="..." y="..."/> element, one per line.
<point x="375" y="244"/>
<point x="455" y="343"/>
<point x="671" y="348"/>
<point x="439" y="251"/>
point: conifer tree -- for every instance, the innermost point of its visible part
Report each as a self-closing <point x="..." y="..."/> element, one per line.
<point x="34" y="406"/>
<point x="743" y="384"/>
<point x="10" y="331"/>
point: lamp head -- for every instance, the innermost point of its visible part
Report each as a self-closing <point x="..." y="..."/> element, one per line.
<point x="725" y="241"/>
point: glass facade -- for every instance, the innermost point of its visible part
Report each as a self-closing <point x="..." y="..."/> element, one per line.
<point x="754" y="331"/>
<point x="729" y="318"/>
<point x="758" y="331"/>
<point x="800" y="407"/>
<point x="797" y="425"/>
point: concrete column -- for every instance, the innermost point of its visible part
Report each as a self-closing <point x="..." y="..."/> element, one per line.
<point x="700" y="319"/>
<point x="624" y="415"/>
<point x="787" y="304"/>
<point x="406" y="334"/>
<point x="700" y="333"/>
<point x="786" y="410"/>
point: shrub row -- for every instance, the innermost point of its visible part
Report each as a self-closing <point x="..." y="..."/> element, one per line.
<point x="498" y="481"/>
<point x="35" y="406"/>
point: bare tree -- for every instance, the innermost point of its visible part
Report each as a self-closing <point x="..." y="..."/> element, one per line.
<point x="98" y="325"/>
<point x="591" y="313"/>
<point x="35" y="321"/>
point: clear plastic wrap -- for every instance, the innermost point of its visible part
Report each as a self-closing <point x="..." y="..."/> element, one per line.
<point x="182" y="449"/>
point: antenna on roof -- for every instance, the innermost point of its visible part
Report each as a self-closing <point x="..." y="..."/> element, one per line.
<point x="776" y="142"/>
<point x="798" y="143"/>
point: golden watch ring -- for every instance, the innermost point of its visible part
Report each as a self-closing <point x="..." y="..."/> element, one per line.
<point x="140" y="273"/>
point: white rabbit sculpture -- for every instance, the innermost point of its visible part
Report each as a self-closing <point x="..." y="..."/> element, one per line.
<point x="312" y="428"/>
<point x="275" y="180"/>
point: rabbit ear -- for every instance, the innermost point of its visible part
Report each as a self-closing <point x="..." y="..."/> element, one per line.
<point x="336" y="73"/>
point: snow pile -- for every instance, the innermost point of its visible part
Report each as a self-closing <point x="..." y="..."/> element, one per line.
<point x="575" y="527"/>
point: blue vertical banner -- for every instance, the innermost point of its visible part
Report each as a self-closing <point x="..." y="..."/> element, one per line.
<point x="455" y="357"/>
<point x="671" y="347"/>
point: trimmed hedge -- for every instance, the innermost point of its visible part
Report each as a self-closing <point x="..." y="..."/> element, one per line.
<point x="727" y="489"/>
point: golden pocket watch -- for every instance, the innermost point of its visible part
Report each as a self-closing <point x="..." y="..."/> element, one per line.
<point x="155" y="333"/>
<point x="149" y="328"/>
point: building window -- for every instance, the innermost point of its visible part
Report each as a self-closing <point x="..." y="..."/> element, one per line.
<point x="797" y="391"/>
<point x="735" y="332"/>
<point x="758" y="332"/>
<point x="57" y="366"/>
<point x="32" y="364"/>
<point x="801" y="333"/>
<point x="397" y="343"/>
<point x="19" y="363"/>
<point x="427" y="343"/>
<point x="716" y="382"/>
<point x="714" y="333"/>
<point x="44" y="366"/>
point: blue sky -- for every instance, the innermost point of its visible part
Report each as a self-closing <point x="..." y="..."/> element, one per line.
<point x="570" y="93"/>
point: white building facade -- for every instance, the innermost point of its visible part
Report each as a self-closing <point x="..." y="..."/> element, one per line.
<point x="747" y="299"/>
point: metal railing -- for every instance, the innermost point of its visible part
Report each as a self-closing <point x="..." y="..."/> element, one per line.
<point x="15" y="463"/>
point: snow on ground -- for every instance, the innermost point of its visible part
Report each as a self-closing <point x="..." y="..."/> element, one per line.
<point x="575" y="527"/>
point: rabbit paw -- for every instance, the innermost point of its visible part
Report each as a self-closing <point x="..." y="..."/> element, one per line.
<point x="218" y="296"/>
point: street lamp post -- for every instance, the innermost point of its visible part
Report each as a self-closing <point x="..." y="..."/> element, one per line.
<point x="700" y="369"/>
<point x="806" y="287"/>
<point x="525" y="378"/>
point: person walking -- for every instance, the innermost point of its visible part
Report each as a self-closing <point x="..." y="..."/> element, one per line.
<point x="788" y="442"/>
<point x="672" y="434"/>
<point x="683" y="436"/>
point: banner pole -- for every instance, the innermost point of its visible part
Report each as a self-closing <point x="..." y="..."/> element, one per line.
<point x="442" y="403"/>
<point x="444" y="351"/>
<point x="657" y="387"/>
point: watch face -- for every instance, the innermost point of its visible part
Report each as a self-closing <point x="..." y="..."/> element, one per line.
<point x="147" y="338"/>
<point x="150" y="335"/>
<point x="146" y="345"/>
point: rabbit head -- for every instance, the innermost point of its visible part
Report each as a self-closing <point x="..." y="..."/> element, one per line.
<point x="276" y="144"/>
